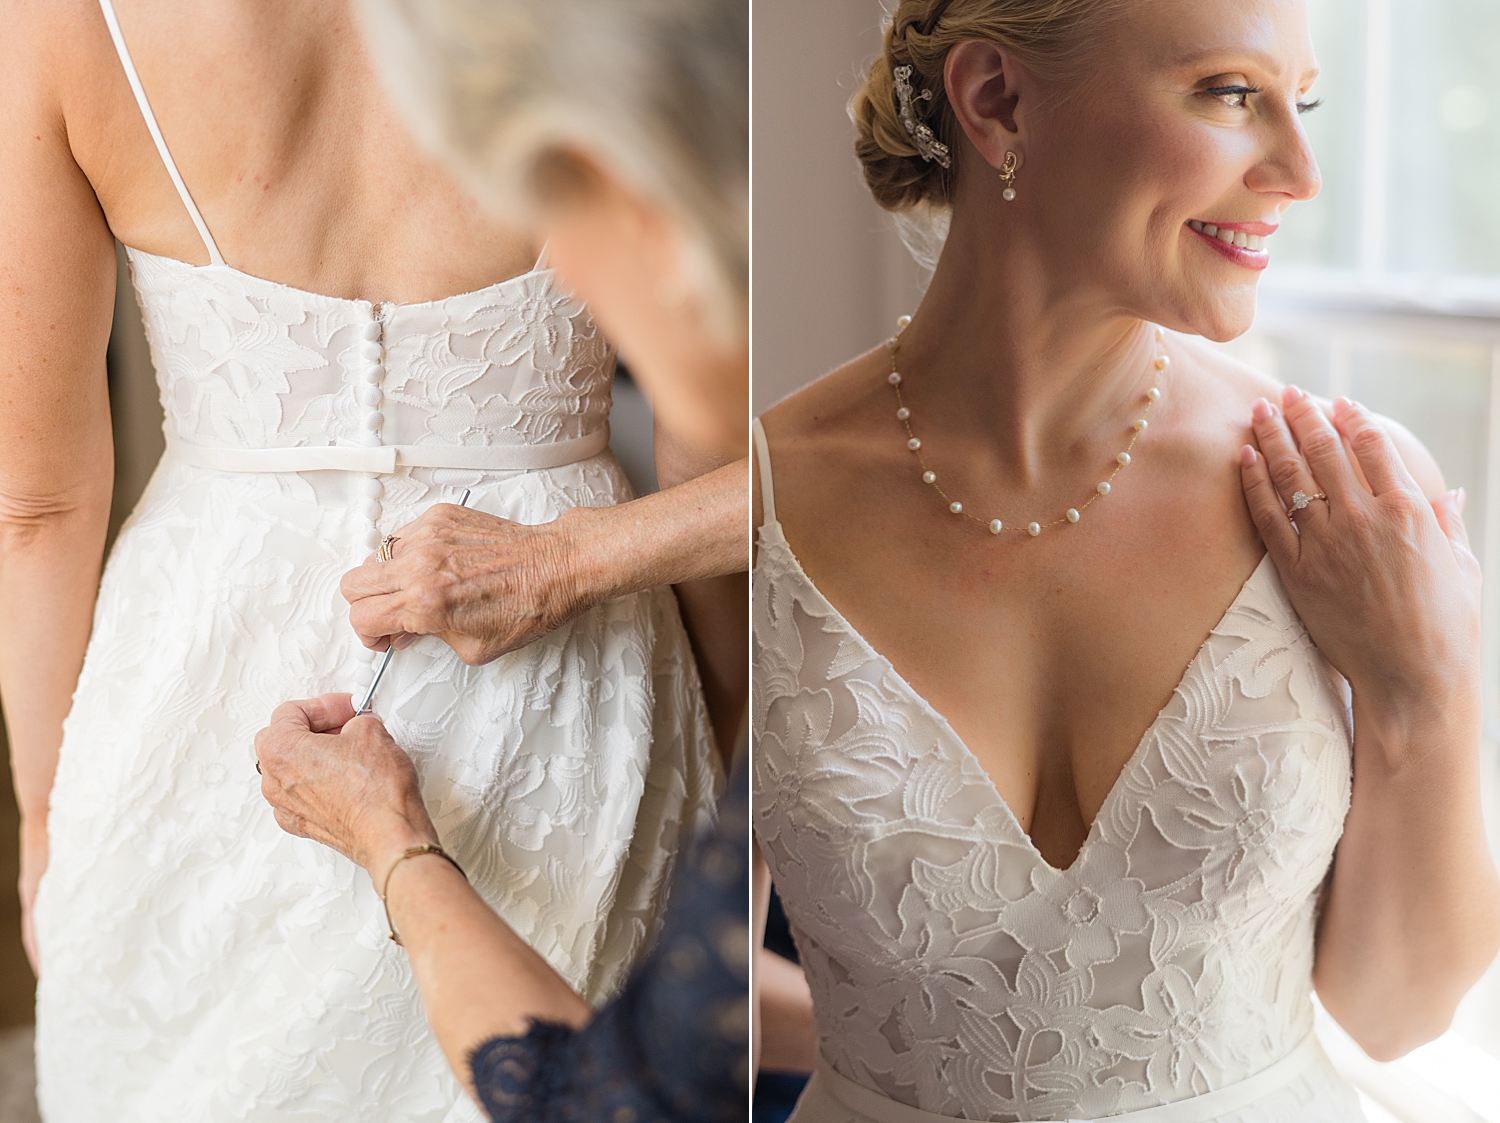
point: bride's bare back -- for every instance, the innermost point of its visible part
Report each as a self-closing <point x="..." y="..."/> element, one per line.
<point x="289" y="145"/>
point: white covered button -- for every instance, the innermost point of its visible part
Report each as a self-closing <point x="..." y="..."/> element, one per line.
<point x="371" y="396"/>
<point x="372" y="487"/>
<point x="374" y="373"/>
<point x="370" y="351"/>
<point x="372" y="330"/>
<point x="374" y="420"/>
<point x="372" y="538"/>
<point x="370" y="440"/>
<point x="370" y="508"/>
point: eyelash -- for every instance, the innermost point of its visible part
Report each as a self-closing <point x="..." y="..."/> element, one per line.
<point x="1246" y="91"/>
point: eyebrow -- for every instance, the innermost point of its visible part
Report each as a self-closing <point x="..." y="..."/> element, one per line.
<point x="1259" y="56"/>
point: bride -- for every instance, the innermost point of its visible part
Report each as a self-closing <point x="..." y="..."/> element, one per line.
<point x="296" y="257"/>
<point x="1052" y="779"/>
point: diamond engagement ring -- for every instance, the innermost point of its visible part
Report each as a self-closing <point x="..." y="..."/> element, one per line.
<point x="388" y="545"/>
<point x="1301" y="499"/>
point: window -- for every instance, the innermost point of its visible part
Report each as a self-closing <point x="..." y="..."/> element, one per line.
<point x="1386" y="288"/>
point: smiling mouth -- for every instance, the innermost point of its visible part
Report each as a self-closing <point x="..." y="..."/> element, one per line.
<point x="1237" y="238"/>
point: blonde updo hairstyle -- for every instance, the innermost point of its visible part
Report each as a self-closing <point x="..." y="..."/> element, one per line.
<point x="1054" y="38"/>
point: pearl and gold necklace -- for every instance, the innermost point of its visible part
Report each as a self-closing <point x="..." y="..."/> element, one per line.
<point x="1072" y="514"/>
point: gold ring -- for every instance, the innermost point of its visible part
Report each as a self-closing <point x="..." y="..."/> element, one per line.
<point x="1300" y="500"/>
<point x="388" y="547"/>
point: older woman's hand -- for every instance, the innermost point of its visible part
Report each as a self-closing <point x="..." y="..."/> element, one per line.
<point x="342" y="781"/>
<point x="1383" y="578"/>
<point x="482" y="584"/>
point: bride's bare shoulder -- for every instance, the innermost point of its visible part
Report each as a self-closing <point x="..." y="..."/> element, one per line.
<point x="833" y="409"/>
<point x="1243" y="384"/>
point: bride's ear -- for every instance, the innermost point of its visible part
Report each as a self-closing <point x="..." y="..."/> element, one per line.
<point x="989" y="93"/>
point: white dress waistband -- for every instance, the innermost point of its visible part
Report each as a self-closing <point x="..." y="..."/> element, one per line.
<point x="869" y="1104"/>
<point x="385" y="459"/>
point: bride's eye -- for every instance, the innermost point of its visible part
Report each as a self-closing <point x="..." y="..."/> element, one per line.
<point x="1309" y="106"/>
<point x="1236" y="97"/>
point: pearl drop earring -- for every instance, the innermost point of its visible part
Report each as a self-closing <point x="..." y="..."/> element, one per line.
<point x="1008" y="177"/>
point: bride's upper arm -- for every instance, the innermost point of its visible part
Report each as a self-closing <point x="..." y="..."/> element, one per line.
<point x="57" y="274"/>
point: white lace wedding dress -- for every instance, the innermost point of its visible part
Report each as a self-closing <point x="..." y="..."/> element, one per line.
<point x="1164" y="977"/>
<point x="199" y="964"/>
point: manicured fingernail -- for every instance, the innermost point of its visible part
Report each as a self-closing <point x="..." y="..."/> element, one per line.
<point x="1247" y="456"/>
<point x="1261" y="410"/>
<point x="1340" y="405"/>
<point x="403" y="641"/>
<point x="1460" y="499"/>
<point x="1291" y="396"/>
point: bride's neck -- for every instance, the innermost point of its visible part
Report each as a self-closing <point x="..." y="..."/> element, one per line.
<point x="1004" y="347"/>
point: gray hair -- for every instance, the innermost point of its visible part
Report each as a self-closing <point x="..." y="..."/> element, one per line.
<point x="656" y="92"/>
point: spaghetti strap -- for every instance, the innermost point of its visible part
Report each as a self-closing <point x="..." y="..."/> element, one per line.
<point x="541" y="260"/>
<point x="763" y="457"/>
<point x="108" y="8"/>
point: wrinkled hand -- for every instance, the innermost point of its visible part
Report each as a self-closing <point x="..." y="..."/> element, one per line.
<point x="484" y="585"/>
<point x="1384" y="579"/>
<point x="342" y="781"/>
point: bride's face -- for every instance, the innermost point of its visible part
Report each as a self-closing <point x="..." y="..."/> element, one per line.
<point x="1165" y="174"/>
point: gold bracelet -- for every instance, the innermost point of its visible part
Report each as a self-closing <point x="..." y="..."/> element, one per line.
<point x="430" y="848"/>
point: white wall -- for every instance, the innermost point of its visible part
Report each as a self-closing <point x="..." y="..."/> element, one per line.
<point x="830" y="277"/>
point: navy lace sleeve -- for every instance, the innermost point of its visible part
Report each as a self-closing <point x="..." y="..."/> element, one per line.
<point x="672" y="1046"/>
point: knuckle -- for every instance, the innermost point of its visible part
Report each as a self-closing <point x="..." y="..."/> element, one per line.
<point x="1285" y="469"/>
<point x="1321" y="443"/>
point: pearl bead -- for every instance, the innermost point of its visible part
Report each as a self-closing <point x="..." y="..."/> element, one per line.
<point x="370" y="509"/>
<point x="1157" y="333"/>
<point x="371" y="396"/>
<point x="894" y="379"/>
<point x="374" y="373"/>
<point x="956" y="507"/>
<point x="902" y="414"/>
<point x="1140" y="426"/>
<point x="370" y="351"/>
<point x="1162" y="362"/>
<point x="929" y="477"/>
<point x="1154" y="394"/>
<point x="374" y="420"/>
<point x="914" y="444"/>
<point x="1103" y="487"/>
<point x="1073" y="515"/>
<point x="373" y="488"/>
<point x="1009" y="194"/>
<point x="996" y="526"/>
<point x="1123" y="459"/>
<point x="1033" y="529"/>
<point x="372" y="330"/>
<point x="372" y="539"/>
<point x="903" y="322"/>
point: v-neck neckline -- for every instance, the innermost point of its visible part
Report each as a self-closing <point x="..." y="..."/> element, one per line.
<point x="967" y="755"/>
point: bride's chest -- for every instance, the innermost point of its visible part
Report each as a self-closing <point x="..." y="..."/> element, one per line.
<point x="869" y="804"/>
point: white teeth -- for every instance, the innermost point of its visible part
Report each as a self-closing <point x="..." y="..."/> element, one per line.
<point x="1230" y="237"/>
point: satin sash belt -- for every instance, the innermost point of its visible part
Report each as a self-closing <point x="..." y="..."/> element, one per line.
<point x="1200" y="1109"/>
<point x="385" y="459"/>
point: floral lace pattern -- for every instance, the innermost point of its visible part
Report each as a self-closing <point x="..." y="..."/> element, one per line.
<point x="953" y="970"/>
<point x="212" y="967"/>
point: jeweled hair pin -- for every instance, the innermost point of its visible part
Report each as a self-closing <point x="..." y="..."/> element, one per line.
<point x="926" y="141"/>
